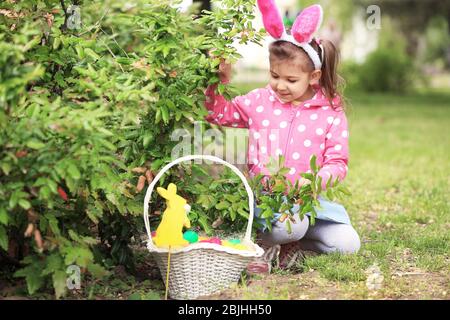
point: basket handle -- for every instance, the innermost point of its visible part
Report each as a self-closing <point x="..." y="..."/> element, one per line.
<point x="205" y="157"/>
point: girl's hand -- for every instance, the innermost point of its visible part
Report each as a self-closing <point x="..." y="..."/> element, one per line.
<point x="224" y="71"/>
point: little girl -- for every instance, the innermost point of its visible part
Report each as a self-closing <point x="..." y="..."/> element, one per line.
<point x="299" y="114"/>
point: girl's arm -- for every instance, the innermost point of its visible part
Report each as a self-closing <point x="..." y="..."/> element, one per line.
<point x="336" y="151"/>
<point x="222" y="112"/>
<point x="232" y="113"/>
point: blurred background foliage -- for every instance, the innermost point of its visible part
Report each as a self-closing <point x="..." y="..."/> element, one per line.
<point x="413" y="43"/>
<point x="407" y="50"/>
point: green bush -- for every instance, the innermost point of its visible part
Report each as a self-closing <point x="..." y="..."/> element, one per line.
<point x="86" y="112"/>
<point x="387" y="69"/>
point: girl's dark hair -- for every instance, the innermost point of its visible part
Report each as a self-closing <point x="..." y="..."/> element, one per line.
<point x="330" y="81"/>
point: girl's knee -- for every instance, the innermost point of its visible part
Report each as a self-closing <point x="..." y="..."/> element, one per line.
<point x="346" y="241"/>
<point x="281" y="235"/>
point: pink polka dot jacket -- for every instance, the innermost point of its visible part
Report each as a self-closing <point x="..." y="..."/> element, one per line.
<point x="295" y="131"/>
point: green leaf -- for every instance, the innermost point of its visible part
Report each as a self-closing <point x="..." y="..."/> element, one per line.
<point x="288" y="226"/>
<point x="45" y="192"/>
<point x="319" y="184"/>
<point x="268" y="213"/>
<point x="107" y="144"/>
<point x="221" y="88"/>
<point x="25" y="204"/>
<point x="312" y="219"/>
<point x="148" y="137"/>
<point x="6" y="167"/>
<point x="112" y="198"/>
<point x="94" y="213"/>
<point x="243" y="213"/>
<point x="81" y="256"/>
<point x="124" y="61"/>
<point x="312" y="163"/>
<point x="80" y="51"/>
<point x="35" y="144"/>
<point x="222" y="205"/>
<point x="4" y="217"/>
<point x="164" y="113"/>
<point x="91" y="53"/>
<point x="232" y="214"/>
<point x="73" y="171"/>
<point x="170" y="104"/>
<point x="345" y="190"/>
<point x="3" y="238"/>
<point x="187" y="100"/>
<point x="33" y="277"/>
<point x="59" y="283"/>
<point x="203" y="221"/>
<point x="54" y="263"/>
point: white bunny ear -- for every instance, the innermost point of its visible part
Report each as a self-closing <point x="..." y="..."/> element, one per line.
<point x="307" y="23"/>
<point x="271" y="18"/>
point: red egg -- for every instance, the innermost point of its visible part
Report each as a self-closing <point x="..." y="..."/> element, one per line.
<point x="153" y="234"/>
<point x="213" y="240"/>
<point x="216" y="241"/>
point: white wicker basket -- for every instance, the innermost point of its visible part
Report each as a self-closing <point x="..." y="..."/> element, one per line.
<point x="201" y="269"/>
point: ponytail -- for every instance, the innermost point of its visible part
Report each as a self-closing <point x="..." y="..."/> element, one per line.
<point x="330" y="81"/>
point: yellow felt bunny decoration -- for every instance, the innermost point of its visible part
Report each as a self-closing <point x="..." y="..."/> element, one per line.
<point x="170" y="231"/>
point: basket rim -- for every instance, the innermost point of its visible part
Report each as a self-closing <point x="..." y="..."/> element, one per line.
<point x="257" y="252"/>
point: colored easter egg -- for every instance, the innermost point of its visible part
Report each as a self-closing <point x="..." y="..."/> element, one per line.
<point x="190" y="236"/>
<point x="234" y="241"/>
<point x="228" y="244"/>
<point x="215" y="240"/>
<point x="153" y="234"/>
<point x="240" y="246"/>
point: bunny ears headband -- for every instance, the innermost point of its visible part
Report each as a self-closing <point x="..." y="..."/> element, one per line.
<point x="305" y="25"/>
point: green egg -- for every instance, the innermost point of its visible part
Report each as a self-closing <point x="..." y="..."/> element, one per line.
<point x="234" y="241"/>
<point x="190" y="236"/>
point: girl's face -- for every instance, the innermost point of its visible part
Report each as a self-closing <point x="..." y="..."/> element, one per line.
<point x="290" y="82"/>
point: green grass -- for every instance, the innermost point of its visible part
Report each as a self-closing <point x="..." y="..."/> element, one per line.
<point x="399" y="174"/>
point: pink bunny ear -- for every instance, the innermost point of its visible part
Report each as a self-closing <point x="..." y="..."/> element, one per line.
<point x="307" y="23"/>
<point x="271" y="18"/>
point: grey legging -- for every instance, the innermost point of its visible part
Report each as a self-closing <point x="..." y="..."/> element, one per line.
<point x="323" y="236"/>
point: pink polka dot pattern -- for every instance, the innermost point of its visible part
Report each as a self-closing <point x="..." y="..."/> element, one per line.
<point x="313" y="127"/>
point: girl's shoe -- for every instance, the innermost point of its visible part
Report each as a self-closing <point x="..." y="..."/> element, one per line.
<point x="291" y="255"/>
<point x="263" y="265"/>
